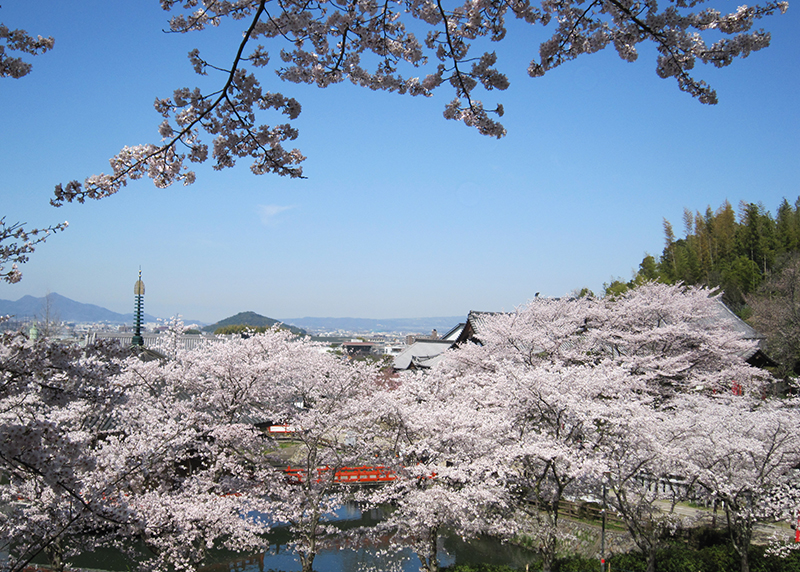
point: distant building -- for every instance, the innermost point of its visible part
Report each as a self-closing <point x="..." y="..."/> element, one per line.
<point x="151" y="340"/>
<point x="425" y="352"/>
<point x="358" y="349"/>
<point x="421" y="354"/>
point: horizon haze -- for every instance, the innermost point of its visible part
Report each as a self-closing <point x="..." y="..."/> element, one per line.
<point x="403" y="213"/>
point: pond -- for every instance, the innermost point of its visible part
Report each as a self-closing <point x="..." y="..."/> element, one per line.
<point x="452" y="550"/>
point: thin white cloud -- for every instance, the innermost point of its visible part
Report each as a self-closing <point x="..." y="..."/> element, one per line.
<point x="268" y="212"/>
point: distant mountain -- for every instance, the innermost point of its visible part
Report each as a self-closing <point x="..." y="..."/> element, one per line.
<point x="64" y="309"/>
<point x="398" y="325"/>
<point x="254" y="320"/>
<point x="30" y="307"/>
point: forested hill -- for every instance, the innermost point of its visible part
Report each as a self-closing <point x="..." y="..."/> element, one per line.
<point x="244" y="320"/>
<point x="752" y="255"/>
<point x="735" y="251"/>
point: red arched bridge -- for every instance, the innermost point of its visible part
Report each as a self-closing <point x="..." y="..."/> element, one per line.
<point x="345" y="475"/>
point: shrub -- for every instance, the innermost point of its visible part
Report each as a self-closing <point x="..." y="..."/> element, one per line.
<point x="720" y="558"/>
<point x="478" y="568"/>
<point x="760" y="562"/>
<point x="576" y="564"/>
<point x="628" y="562"/>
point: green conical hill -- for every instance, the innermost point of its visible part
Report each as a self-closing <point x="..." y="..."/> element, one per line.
<point x="252" y="320"/>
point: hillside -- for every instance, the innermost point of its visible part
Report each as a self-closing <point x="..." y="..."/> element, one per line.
<point x="254" y="320"/>
<point x="62" y="308"/>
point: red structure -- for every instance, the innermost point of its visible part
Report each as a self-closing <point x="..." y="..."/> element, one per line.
<point x="346" y="475"/>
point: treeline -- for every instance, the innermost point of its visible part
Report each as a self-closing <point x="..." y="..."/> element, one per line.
<point x="717" y="556"/>
<point x="724" y="249"/>
<point x="752" y="256"/>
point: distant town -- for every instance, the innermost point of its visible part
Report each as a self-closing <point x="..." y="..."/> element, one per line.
<point x="59" y="317"/>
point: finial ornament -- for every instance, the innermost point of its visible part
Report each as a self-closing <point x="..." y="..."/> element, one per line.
<point x="138" y="311"/>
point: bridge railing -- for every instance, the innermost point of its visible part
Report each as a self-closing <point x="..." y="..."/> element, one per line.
<point x="345" y="475"/>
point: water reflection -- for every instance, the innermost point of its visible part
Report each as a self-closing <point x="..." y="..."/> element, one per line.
<point x="452" y="550"/>
<point x="371" y="559"/>
<point x="326" y="561"/>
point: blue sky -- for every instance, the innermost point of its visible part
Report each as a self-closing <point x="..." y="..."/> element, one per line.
<point x="403" y="214"/>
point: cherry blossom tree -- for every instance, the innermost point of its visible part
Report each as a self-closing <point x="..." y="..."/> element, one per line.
<point x="647" y="476"/>
<point x="746" y="455"/>
<point x="55" y="405"/>
<point x="437" y="432"/>
<point x="168" y="455"/>
<point x="553" y="456"/>
<point x="683" y="349"/>
<point x="677" y="339"/>
<point x="564" y="394"/>
<point x="375" y="45"/>
<point x="95" y="457"/>
<point x="575" y="372"/>
<point x="542" y="362"/>
<point x="185" y="487"/>
<point x="325" y="405"/>
<point x="210" y="404"/>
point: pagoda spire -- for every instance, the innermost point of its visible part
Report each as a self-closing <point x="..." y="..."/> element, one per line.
<point x="138" y="311"/>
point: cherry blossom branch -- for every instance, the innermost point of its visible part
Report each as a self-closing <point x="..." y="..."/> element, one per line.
<point x="20" y="41"/>
<point x="20" y="565"/>
<point x="165" y="166"/>
<point x="340" y="33"/>
<point x="686" y="82"/>
<point x="16" y="244"/>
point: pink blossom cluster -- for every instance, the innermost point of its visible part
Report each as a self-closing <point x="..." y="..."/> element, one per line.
<point x="370" y="44"/>
<point x="19" y="41"/>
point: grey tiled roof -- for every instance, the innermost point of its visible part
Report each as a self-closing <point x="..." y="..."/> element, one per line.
<point x="420" y="352"/>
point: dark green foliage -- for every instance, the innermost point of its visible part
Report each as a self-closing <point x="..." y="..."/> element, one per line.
<point x="244" y="320"/>
<point x="703" y="537"/>
<point x="720" y="558"/>
<point x="479" y="568"/>
<point x="681" y="558"/>
<point x="675" y="558"/>
<point x="631" y="562"/>
<point x="576" y="564"/>
<point x="723" y="250"/>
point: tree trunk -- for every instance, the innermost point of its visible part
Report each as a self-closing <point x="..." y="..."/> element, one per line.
<point x="741" y="531"/>
<point x="307" y="556"/>
<point x="547" y="562"/>
<point x="651" y="559"/>
<point x="714" y="516"/>
<point x="307" y="561"/>
<point x="745" y="561"/>
<point x="549" y="547"/>
<point x="55" y="555"/>
<point x="428" y="555"/>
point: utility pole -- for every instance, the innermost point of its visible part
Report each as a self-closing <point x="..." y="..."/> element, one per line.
<point x="603" y="529"/>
